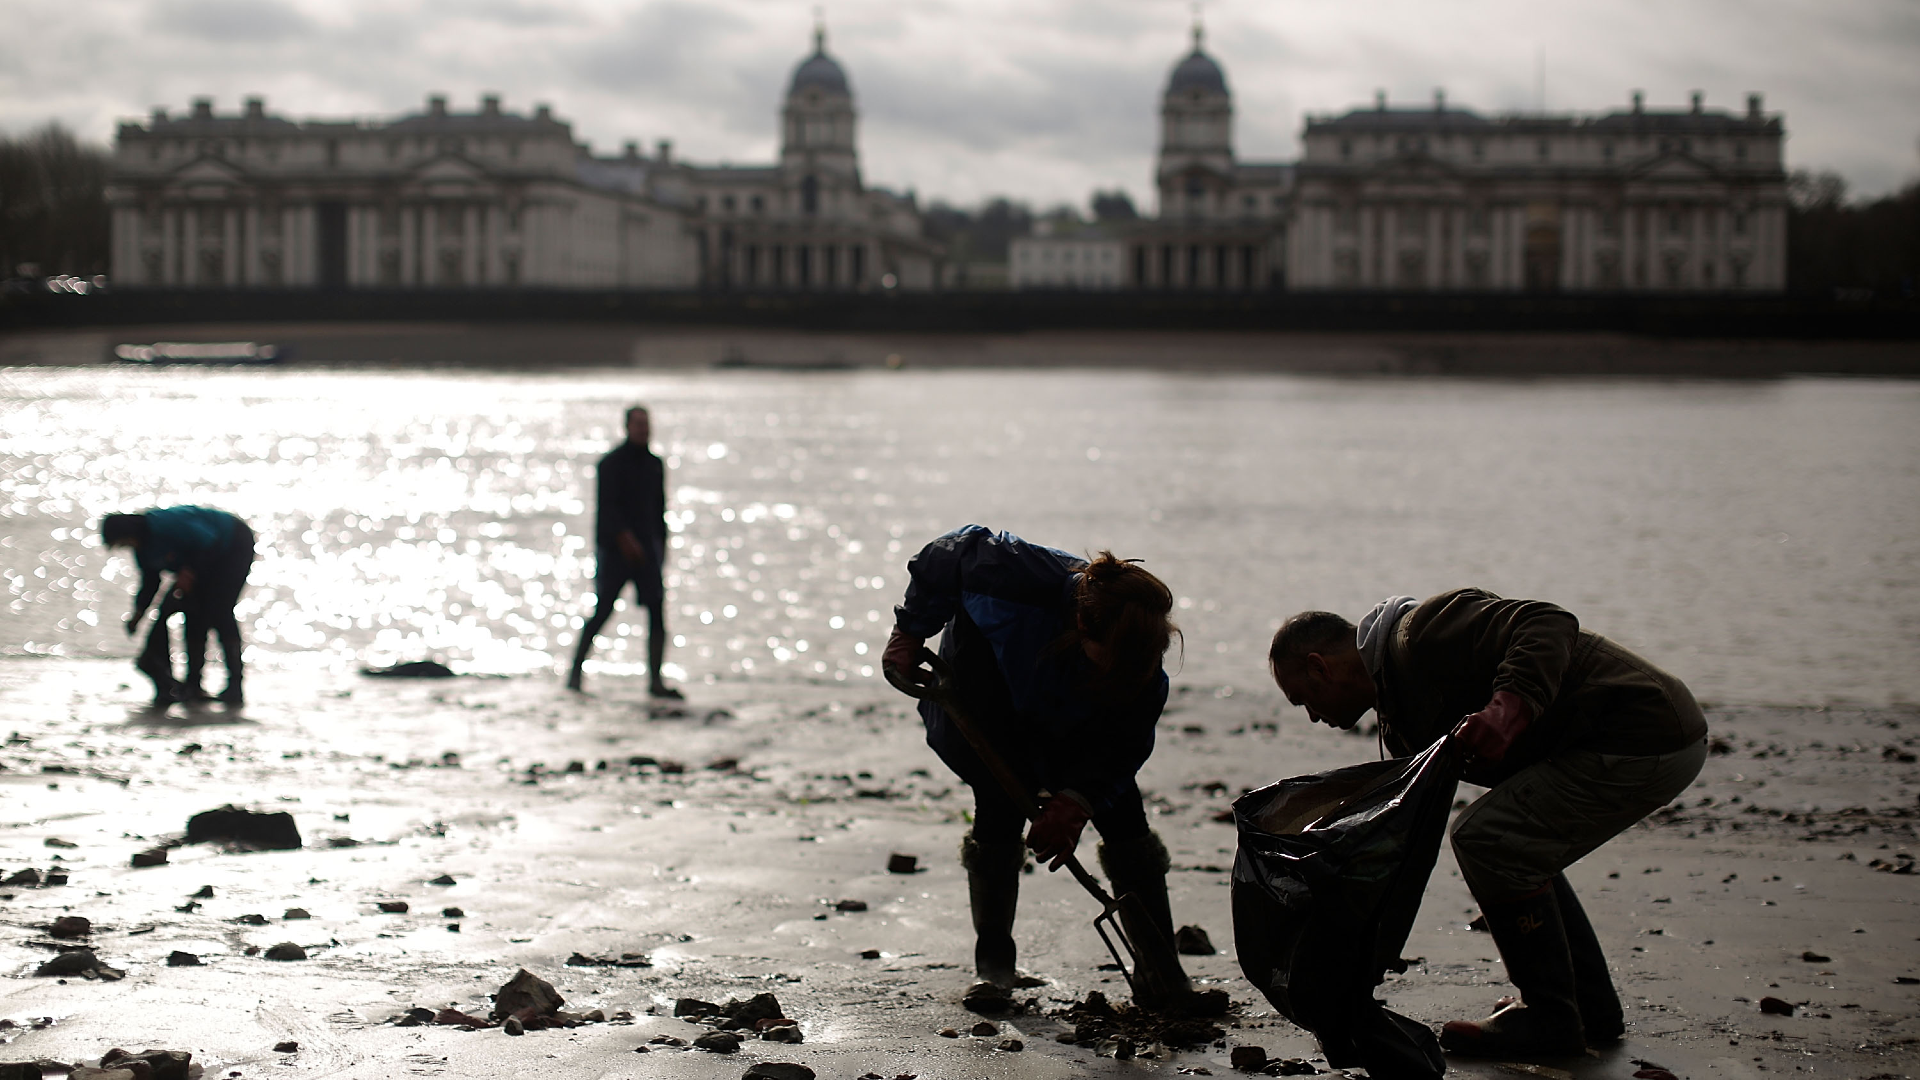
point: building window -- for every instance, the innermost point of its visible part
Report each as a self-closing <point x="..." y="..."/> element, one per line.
<point x="759" y="204"/>
<point x="512" y="262"/>
<point x="333" y="153"/>
<point x="1346" y="219"/>
<point x="1606" y="152"/>
<point x="1413" y="269"/>
<point x="1478" y="220"/>
<point x="857" y="265"/>
<point x="1739" y="223"/>
<point x="726" y="203"/>
<point x="1477" y="269"/>
<point x="1609" y="223"/>
<point x="1346" y="149"/>
<point x="390" y="267"/>
<point x="1546" y="149"/>
<point x="1676" y="223"/>
<point x="452" y="267"/>
<point x="1479" y="150"/>
<point x="1346" y="268"/>
<point x="1413" y="221"/>
<point x="809" y="197"/>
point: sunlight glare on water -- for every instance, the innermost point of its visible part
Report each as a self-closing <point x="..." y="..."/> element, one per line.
<point x="1760" y="539"/>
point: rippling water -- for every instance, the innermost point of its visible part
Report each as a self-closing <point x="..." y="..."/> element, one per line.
<point x="1760" y="539"/>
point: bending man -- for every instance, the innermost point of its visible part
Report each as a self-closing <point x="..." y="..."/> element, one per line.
<point x="630" y="545"/>
<point x="1576" y="736"/>
<point x="1058" y="664"/>
<point x="209" y="553"/>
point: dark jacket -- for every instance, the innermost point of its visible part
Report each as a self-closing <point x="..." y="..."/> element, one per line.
<point x="632" y="487"/>
<point x="1447" y="656"/>
<point x="196" y="538"/>
<point x="1003" y="604"/>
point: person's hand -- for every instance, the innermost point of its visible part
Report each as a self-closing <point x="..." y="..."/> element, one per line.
<point x="1490" y="732"/>
<point x="1056" y="832"/>
<point x="631" y="549"/>
<point x="901" y="658"/>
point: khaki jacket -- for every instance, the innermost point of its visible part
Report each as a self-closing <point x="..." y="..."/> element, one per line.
<point x="1448" y="655"/>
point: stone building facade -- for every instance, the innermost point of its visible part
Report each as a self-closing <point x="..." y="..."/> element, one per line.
<point x="491" y="198"/>
<point x="1635" y="200"/>
<point x="1221" y="222"/>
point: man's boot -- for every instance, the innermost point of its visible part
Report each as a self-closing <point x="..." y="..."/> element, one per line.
<point x="190" y="688"/>
<point x="1600" y="1012"/>
<point x="993" y="893"/>
<point x="1545" y="1022"/>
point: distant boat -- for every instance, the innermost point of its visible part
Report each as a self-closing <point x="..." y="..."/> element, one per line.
<point x="200" y="352"/>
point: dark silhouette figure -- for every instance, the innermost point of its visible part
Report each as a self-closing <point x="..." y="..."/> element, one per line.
<point x="630" y="543"/>
<point x="209" y="553"/>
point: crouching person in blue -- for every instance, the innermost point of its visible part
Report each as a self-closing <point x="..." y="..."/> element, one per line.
<point x="209" y="553"/>
<point x="1057" y="662"/>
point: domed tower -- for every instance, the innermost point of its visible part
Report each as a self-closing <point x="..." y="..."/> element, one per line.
<point x="817" y="149"/>
<point x="1196" y="132"/>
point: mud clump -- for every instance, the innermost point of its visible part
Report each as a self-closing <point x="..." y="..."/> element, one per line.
<point x="157" y="1064"/>
<point x="1097" y="1021"/>
<point x="244" y="830"/>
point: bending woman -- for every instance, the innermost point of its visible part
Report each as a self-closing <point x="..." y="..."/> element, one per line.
<point x="1058" y="662"/>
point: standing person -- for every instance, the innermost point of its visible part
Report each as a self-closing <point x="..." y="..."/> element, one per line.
<point x="630" y="544"/>
<point x="1058" y="662"/>
<point x="1576" y="736"/>
<point x="209" y="553"/>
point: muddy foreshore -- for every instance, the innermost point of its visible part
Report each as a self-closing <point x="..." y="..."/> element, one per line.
<point x="716" y="838"/>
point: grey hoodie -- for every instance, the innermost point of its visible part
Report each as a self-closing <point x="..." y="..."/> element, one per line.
<point x="1376" y="627"/>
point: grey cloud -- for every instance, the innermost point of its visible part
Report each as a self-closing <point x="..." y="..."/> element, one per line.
<point x="235" y="22"/>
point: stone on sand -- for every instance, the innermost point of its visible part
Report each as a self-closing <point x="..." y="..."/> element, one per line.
<point x="1193" y="941"/>
<point x="286" y="950"/>
<point x="718" y="1042"/>
<point x="158" y="1064"/>
<point x="526" y="993"/>
<point x="177" y="958"/>
<point x="249" y="830"/>
<point x="70" y="927"/>
<point x="1248" y="1058"/>
<point x="777" y="1070"/>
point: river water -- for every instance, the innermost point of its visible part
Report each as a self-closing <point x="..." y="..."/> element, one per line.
<point x="1760" y="539"/>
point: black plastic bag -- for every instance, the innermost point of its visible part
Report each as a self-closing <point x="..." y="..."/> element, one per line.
<point x="1326" y="885"/>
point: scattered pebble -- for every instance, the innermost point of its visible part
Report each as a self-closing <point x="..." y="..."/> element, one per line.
<point x="777" y="1070"/>
<point x="153" y="857"/>
<point x="286" y="950"/>
<point x="392" y="907"/>
<point x="984" y="1028"/>
<point x="1775" y="1006"/>
<point x="850" y="905"/>
<point x="177" y="958"/>
<point x="288" y="1047"/>
<point x="1812" y="957"/>
<point x="296" y="913"/>
<point x="244" y="830"/>
<point x="903" y="864"/>
<point x="70" y="927"/>
<point x="718" y="1042"/>
<point x="452" y="913"/>
<point x="1011" y="1046"/>
<point x="526" y="995"/>
<point x="443" y="879"/>
<point x="513" y="1026"/>
<point x="1248" y="1058"/>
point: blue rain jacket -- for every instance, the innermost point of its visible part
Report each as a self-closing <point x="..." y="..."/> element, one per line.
<point x="182" y="537"/>
<point x="1000" y="603"/>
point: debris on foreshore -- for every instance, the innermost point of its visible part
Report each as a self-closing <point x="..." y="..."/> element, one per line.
<point x="391" y="907"/>
<point x="176" y="958"/>
<point x="624" y="960"/>
<point x="903" y="864"/>
<point x="846" y="906"/>
<point x="286" y="950"/>
<point x="70" y="927"/>
<point x="718" y="1042"/>
<point x="1193" y="941"/>
<point x="412" y="669"/>
<point x="244" y="830"/>
<point x="777" y="1070"/>
<point x="528" y="998"/>
<point x="1096" y="1021"/>
<point x="81" y="962"/>
<point x="150" y="857"/>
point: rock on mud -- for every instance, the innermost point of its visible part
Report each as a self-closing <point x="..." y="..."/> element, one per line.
<point x="153" y="857"/>
<point x="718" y="1042"/>
<point x="1193" y="941"/>
<point x="903" y="864"/>
<point x="286" y="950"/>
<point x="288" y="1047"/>
<point x="70" y="927"/>
<point x="777" y="1070"/>
<point x="81" y="962"/>
<point x="1248" y="1058"/>
<point x="20" y="1070"/>
<point x="526" y="994"/>
<point x="245" y="830"/>
<point x="624" y="960"/>
<point x="1776" y="1007"/>
<point x="177" y="958"/>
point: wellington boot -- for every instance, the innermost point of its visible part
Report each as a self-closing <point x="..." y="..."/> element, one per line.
<point x="993" y="893"/>
<point x="1600" y="1012"/>
<point x="1546" y="1021"/>
<point x="1137" y="867"/>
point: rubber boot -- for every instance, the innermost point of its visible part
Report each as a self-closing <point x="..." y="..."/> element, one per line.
<point x="156" y="662"/>
<point x="1139" y="866"/>
<point x="190" y="688"/>
<point x="1545" y="1022"/>
<point x="993" y="893"/>
<point x="1600" y="1012"/>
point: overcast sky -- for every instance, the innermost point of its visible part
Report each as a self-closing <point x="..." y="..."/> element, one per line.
<point x="1044" y="100"/>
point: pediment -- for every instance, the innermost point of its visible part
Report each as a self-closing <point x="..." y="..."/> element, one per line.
<point x="1672" y="166"/>
<point x="449" y="170"/>
<point x="209" y="170"/>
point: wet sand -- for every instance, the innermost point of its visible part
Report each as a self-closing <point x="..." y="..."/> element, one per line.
<point x="722" y="874"/>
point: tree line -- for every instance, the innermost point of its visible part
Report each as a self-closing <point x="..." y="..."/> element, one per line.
<point x="53" y="207"/>
<point x="1853" y="250"/>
